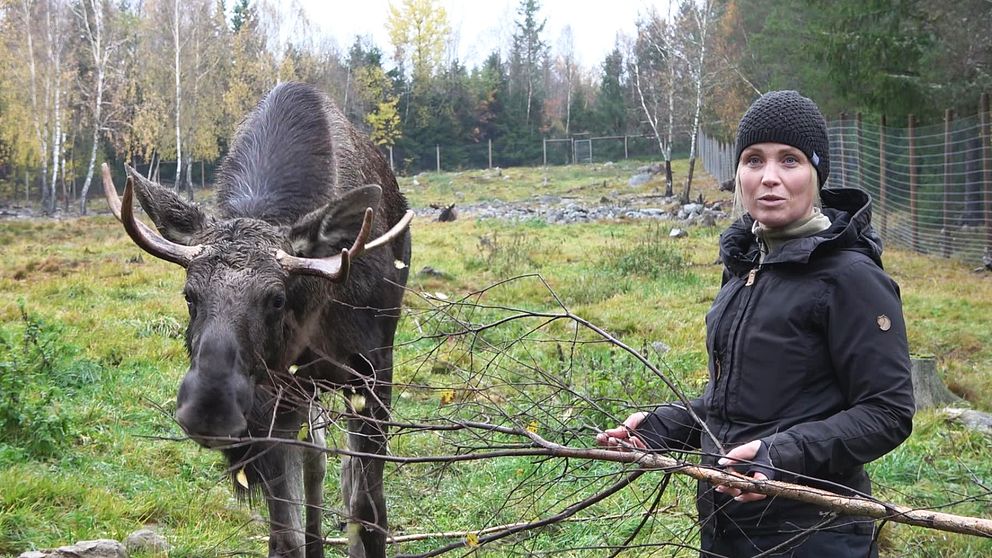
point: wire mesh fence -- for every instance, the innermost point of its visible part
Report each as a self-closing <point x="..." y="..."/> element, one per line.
<point x="931" y="185"/>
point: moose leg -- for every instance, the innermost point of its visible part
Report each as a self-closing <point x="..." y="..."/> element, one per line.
<point x="282" y="485"/>
<point x="314" y="470"/>
<point x="362" y="479"/>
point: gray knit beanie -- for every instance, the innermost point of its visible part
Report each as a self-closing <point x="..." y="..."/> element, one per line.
<point x="787" y="117"/>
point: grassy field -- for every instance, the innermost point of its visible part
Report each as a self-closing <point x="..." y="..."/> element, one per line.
<point x="91" y="355"/>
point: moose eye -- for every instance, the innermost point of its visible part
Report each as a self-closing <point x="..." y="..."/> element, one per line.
<point x="277" y="301"/>
<point x="190" y="302"/>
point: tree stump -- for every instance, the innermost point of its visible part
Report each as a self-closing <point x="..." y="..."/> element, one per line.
<point x="928" y="389"/>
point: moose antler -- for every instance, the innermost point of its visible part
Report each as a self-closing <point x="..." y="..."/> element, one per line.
<point x="337" y="267"/>
<point x="142" y="235"/>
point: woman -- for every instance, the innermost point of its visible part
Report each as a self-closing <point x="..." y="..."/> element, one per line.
<point x="808" y="359"/>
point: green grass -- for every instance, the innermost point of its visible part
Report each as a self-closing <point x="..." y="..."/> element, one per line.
<point x="98" y="457"/>
<point x="579" y="182"/>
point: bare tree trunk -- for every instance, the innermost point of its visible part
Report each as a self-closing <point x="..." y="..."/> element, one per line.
<point x="568" y="101"/>
<point x="179" y="98"/>
<point x="698" y="78"/>
<point x="66" y="194"/>
<point x="650" y="82"/>
<point x="94" y="35"/>
<point x="189" y="179"/>
<point x="39" y="113"/>
<point x="669" y="179"/>
<point x="55" y="59"/>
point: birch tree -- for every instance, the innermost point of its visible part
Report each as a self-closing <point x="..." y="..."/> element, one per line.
<point x="92" y="16"/>
<point x="418" y="30"/>
<point x="177" y="46"/>
<point x="17" y="114"/>
<point x="45" y="40"/>
<point x="695" y="23"/>
<point x="653" y="65"/>
<point x="569" y="70"/>
<point x="527" y="56"/>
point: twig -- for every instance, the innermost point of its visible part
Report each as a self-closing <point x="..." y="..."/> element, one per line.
<point x="413" y="537"/>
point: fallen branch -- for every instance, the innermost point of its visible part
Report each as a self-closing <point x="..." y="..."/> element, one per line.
<point x="844" y="505"/>
<point x="413" y="537"/>
<point x="828" y="500"/>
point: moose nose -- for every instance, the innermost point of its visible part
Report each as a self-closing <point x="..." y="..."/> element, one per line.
<point x="214" y="395"/>
<point x="209" y="413"/>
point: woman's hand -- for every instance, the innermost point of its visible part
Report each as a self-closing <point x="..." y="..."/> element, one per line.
<point x="746" y="453"/>
<point x="622" y="437"/>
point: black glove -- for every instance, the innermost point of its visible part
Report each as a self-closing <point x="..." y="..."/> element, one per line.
<point x="652" y="432"/>
<point x="761" y="463"/>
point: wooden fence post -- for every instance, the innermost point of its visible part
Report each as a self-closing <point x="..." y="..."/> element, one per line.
<point x="859" y="152"/>
<point x="437" y="149"/>
<point x="882" y="186"/>
<point x="945" y="228"/>
<point x="840" y="158"/>
<point x="987" y="170"/>
<point x="913" y="209"/>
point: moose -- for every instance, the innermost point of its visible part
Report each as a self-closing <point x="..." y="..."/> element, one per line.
<point x="288" y="297"/>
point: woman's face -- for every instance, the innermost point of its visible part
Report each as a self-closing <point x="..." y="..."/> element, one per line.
<point x="778" y="184"/>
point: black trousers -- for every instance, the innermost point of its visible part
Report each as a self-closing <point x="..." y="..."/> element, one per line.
<point x="815" y="544"/>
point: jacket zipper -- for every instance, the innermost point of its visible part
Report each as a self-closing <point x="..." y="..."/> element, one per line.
<point x="732" y="349"/>
<point x="751" y="275"/>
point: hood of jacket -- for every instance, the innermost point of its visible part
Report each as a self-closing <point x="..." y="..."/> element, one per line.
<point x="849" y="210"/>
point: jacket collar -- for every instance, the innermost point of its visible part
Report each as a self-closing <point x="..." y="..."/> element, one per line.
<point x="849" y="210"/>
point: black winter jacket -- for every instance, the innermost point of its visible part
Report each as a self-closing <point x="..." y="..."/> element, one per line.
<point x="807" y="353"/>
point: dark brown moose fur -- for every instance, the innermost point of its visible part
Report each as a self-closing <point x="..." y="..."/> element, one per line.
<point x="263" y="341"/>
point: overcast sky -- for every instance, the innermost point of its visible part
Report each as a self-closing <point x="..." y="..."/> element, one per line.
<point x="481" y="26"/>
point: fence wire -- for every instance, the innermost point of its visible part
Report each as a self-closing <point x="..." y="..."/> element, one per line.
<point x="931" y="185"/>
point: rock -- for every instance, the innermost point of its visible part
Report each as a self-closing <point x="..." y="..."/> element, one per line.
<point x="660" y="347"/>
<point x="429" y="271"/>
<point x="100" y="548"/>
<point x="652" y="169"/>
<point x="639" y="179"/>
<point x="708" y="219"/>
<point x="146" y="541"/>
<point x="693" y="207"/>
<point x="678" y="233"/>
<point x="971" y="419"/>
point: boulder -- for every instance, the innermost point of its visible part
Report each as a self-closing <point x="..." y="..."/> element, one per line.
<point x="100" y="548"/>
<point x="638" y="179"/>
<point x="146" y="541"/>
<point x="972" y="420"/>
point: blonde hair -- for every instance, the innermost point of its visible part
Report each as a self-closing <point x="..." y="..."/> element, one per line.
<point x="739" y="211"/>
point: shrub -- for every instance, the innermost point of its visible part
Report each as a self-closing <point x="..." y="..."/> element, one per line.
<point x="35" y="370"/>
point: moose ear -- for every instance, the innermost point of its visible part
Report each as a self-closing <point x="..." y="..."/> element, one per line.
<point x="333" y="227"/>
<point x="177" y="219"/>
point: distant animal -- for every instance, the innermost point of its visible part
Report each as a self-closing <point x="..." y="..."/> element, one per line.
<point x="448" y="213"/>
<point x="288" y="297"/>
